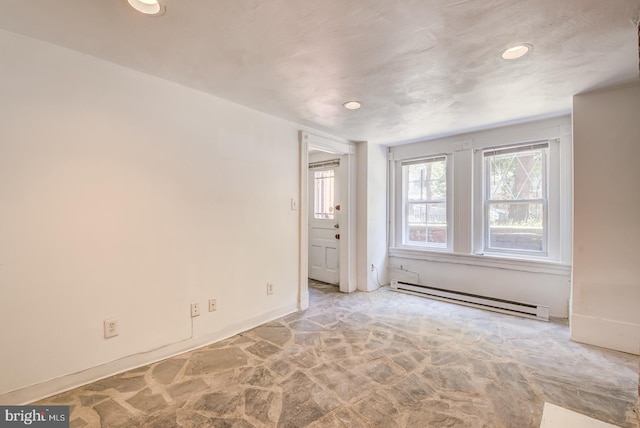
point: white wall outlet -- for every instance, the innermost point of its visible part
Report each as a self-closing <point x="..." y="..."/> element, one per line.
<point x="111" y="328"/>
<point x="213" y="305"/>
<point x="195" y="310"/>
<point x="269" y="288"/>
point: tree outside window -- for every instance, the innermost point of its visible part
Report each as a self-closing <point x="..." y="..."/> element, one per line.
<point x="516" y="199"/>
<point x="425" y="197"/>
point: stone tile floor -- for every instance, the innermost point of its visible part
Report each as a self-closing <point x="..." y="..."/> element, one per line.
<point x="380" y="359"/>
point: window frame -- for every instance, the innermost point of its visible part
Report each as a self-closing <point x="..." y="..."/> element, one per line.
<point x="465" y="194"/>
<point x="544" y="200"/>
<point x="401" y="204"/>
<point x="552" y="216"/>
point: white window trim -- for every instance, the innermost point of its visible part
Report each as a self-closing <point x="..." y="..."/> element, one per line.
<point x="553" y="235"/>
<point x="467" y="231"/>
<point x="510" y="263"/>
<point x="544" y="200"/>
<point x="397" y="219"/>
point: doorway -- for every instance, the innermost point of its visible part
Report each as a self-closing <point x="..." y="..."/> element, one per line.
<point x="333" y="255"/>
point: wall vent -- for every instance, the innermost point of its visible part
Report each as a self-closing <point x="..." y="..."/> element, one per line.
<point x="527" y="310"/>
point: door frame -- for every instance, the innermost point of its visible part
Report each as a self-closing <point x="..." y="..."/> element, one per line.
<point x="347" y="224"/>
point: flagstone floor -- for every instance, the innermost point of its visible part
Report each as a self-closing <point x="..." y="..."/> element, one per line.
<point x="380" y="359"/>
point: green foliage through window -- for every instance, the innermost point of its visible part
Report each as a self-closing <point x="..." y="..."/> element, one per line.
<point x="515" y="198"/>
<point x="425" y="196"/>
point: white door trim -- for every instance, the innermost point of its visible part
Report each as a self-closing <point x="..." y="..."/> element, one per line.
<point x="347" y="225"/>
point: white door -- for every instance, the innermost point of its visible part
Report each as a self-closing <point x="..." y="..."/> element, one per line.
<point x="324" y="221"/>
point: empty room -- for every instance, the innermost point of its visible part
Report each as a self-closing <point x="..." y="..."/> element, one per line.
<point x="320" y="214"/>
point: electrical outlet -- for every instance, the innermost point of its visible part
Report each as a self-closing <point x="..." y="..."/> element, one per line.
<point x="269" y="288"/>
<point x="213" y="305"/>
<point x="111" y="328"/>
<point x="372" y="267"/>
<point x="195" y="310"/>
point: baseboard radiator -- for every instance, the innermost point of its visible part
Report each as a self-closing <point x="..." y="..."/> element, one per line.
<point x="527" y="310"/>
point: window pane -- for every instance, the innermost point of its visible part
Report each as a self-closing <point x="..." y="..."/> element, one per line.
<point x="417" y="222"/>
<point x="516" y="176"/>
<point x="437" y="235"/>
<point x="427" y="223"/>
<point x="323" y="194"/>
<point x="417" y="213"/>
<point x="425" y="198"/>
<point x="417" y="233"/>
<point x="437" y="214"/>
<point x="516" y="226"/>
<point x="414" y="190"/>
<point x="437" y="223"/>
<point x="426" y="181"/>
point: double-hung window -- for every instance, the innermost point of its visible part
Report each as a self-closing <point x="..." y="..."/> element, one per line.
<point x="498" y="197"/>
<point x="516" y="199"/>
<point x="424" y="198"/>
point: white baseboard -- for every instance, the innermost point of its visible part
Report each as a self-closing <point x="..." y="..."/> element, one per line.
<point x="611" y="334"/>
<point x="51" y="387"/>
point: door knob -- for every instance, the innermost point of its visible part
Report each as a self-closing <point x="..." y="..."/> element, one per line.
<point x="337" y="236"/>
<point x="337" y="207"/>
<point x="336" y="225"/>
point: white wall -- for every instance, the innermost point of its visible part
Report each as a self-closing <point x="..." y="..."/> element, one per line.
<point x="464" y="268"/>
<point x="127" y="196"/>
<point x="377" y="168"/>
<point x="362" y="241"/>
<point x="371" y="165"/>
<point x="606" y="261"/>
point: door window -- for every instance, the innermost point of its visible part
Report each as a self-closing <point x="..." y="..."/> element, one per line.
<point x="324" y="189"/>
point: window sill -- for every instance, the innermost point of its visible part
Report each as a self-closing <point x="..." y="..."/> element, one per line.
<point x="518" y="264"/>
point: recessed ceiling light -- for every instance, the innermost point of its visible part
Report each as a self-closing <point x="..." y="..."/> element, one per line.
<point x="352" y="105"/>
<point x="148" y="7"/>
<point x="515" y="52"/>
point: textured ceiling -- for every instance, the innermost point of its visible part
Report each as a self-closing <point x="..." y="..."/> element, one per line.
<point x="422" y="68"/>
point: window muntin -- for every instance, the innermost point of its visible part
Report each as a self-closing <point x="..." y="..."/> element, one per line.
<point x="516" y="199"/>
<point x="324" y="190"/>
<point x="425" y="202"/>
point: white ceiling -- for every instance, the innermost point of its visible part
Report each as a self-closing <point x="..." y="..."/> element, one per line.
<point x="422" y="68"/>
